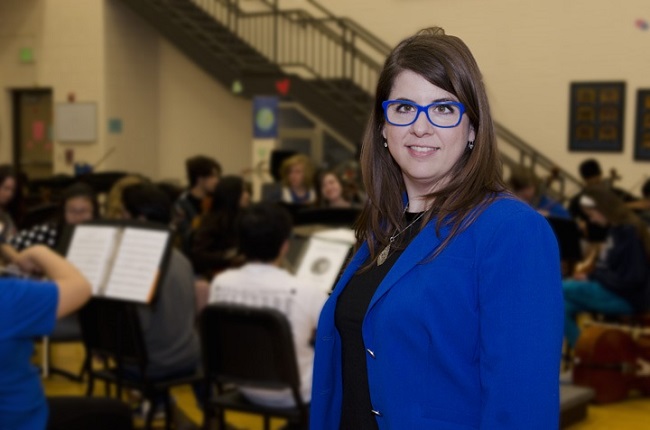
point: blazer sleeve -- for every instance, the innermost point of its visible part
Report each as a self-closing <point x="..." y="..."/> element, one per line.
<point x="521" y="318"/>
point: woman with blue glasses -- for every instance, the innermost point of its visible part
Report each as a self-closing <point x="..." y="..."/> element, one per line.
<point x="449" y="315"/>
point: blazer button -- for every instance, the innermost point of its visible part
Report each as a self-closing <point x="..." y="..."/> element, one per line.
<point x="372" y="354"/>
<point x="377" y="413"/>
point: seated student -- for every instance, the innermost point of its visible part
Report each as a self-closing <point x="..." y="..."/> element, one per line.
<point x="78" y="204"/>
<point x="525" y="185"/>
<point x="203" y="174"/>
<point x="214" y="243"/>
<point x="297" y="175"/>
<point x="592" y="174"/>
<point x="28" y="309"/>
<point x="8" y="190"/>
<point x="264" y="240"/>
<point x="331" y="192"/>
<point x="113" y="203"/>
<point x="642" y="206"/>
<point x="617" y="282"/>
<point x="168" y="324"/>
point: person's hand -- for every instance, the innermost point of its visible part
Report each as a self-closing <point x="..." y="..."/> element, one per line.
<point x="29" y="260"/>
<point x="579" y="276"/>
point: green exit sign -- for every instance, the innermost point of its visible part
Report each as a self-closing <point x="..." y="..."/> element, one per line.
<point x="26" y="55"/>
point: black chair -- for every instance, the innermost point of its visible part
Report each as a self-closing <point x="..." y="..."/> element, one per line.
<point x="333" y="217"/>
<point x="568" y="238"/>
<point x="66" y="330"/>
<point x="111" y="330"/>
<point x="83" y="413"/>
<point x="245" y="346"/>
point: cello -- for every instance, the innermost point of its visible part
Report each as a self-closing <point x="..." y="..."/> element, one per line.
<point x="611" y="362"/>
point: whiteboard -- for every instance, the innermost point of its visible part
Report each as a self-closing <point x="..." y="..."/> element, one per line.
<point x="75" y="122"/>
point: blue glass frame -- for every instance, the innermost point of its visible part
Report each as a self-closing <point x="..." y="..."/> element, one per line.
<point x="424" y="109"/>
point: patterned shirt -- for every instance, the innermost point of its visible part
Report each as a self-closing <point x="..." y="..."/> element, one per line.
<point x="43" y="234"/>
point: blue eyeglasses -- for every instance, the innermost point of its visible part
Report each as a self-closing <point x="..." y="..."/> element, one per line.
<point x="447" y="114"/>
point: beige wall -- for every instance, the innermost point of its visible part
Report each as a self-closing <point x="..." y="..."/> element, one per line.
<point x="102" y="52"/>
<point x="199" y="116"/>
<point x="66" y="37"/>
<point x="529" y="52"/>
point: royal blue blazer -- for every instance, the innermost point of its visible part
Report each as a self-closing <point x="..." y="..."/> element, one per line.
<point x="469" y="340"/>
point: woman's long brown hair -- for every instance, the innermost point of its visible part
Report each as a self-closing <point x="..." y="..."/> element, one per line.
<point x="475" y="180"/>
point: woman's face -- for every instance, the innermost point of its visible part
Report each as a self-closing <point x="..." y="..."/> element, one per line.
<point x="78" y="210"/>
<point x="331" y="188"/>
<point x="7" y="190"/>
<point x="296" y="175"/>
<point x="425" y="153"/>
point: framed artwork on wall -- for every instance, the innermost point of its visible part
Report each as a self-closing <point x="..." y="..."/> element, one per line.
<point x="642" y="138"/>
<point x="596" y="116"/>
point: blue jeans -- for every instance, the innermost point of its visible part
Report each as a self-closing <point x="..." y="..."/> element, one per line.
<point x="588" y="296"/>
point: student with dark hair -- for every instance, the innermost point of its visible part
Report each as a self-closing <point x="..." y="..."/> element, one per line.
<point x="214" y="243"/>
<point x="203" y="175"/>
<point x="78" y="204"/>
<point x="592" y="175"/>
<point x="264" y="231"/>
<point x="8" y="189"/>
<point x="168" y="324"/>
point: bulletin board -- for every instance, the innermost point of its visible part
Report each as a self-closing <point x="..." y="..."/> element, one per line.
<point x="642" y="140"/>
<point x="75" y="122"/>
<point x="596" y="122"/>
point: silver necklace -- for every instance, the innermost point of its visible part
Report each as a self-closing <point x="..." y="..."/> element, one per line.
<point x="383" y="255"/>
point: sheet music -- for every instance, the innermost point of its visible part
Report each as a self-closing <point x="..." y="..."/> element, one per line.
<point x="90" y="251"/>
<point x="136" y="267"/>
<point x="322" y="262"/>
<point x="344" y="235"/>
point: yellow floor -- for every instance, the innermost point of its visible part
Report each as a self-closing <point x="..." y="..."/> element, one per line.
<point x="633" y="414"/>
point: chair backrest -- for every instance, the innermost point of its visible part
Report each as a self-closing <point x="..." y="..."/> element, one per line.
<point x="112" y="328"/>
<point x="343" y="217"/>
<point x="249" y="346"/>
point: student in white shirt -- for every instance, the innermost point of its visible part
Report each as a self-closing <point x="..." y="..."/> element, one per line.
<point x="264" y="241"/>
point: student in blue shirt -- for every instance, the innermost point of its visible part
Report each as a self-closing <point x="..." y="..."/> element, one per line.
<point x="28" y="309"/>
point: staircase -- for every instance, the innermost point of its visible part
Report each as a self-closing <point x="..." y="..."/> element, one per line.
<point x="329" y="65"/>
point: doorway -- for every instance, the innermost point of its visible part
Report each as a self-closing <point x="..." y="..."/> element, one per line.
<point x="32" y="132"/>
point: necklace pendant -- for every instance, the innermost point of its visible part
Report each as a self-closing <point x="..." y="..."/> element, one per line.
<point x="383" y="255"/>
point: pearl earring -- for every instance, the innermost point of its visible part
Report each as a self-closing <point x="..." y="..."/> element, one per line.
<point x="385" y="143"/>
<point x="470" y="144"/>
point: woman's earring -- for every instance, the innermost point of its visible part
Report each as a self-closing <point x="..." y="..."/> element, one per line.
<point x="470" y="144"/>
<point x="385" y="143"/>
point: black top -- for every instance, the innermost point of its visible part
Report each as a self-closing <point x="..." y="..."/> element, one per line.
<point x="351" y="308"/>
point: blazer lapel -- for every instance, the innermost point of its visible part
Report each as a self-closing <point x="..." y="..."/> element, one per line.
<point x="418" y="250"/>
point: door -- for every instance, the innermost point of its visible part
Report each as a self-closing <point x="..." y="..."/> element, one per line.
<point x="33" y="142"/>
